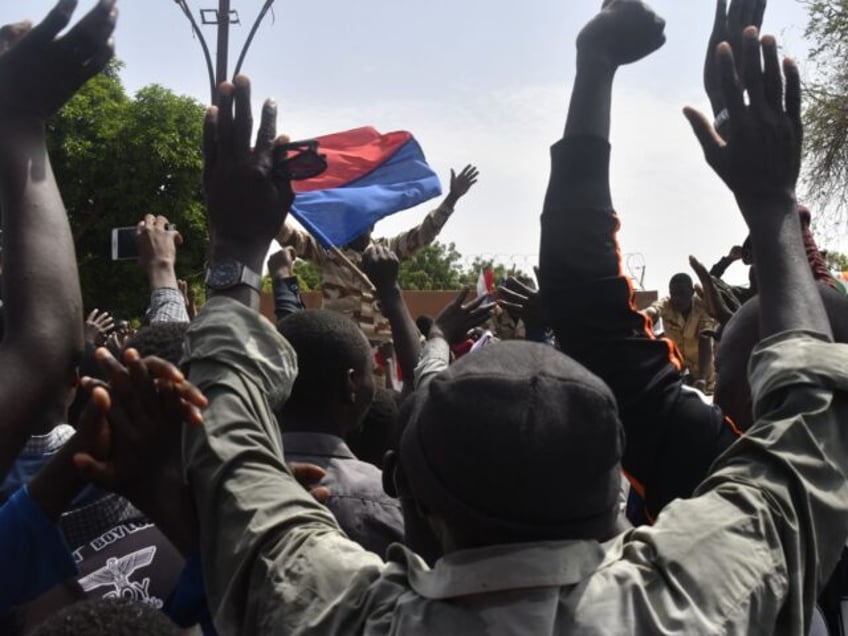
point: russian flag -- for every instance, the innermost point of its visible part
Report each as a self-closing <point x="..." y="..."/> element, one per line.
<point x="369" y="176"/>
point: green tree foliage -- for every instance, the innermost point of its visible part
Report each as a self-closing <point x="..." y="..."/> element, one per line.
<point x="836" y="261"/>
<point x="435" y="267"/>
<point x="116" y="159"/>
<point x="308" y="275"/>
<point x="825" y="115"/>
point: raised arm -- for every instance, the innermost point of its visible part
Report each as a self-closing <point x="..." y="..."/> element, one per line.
<point x="405" y="244"/>
<point x="381" y="266"/>
<point x="721" y="265"/>
<point x="304" y="244"/>
<point x="41" y="295"/>
<point x="760" y="163"/>
<point x="450" y="328"/>
<point x="262" y="536"/>
<point x="672" y="436"/>
<point x="287" y="298"/>
<point x="780" y="491"/>
<point x="157" y="256"/>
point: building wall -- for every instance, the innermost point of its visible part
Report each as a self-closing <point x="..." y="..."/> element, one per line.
<point x="422" y="302"/>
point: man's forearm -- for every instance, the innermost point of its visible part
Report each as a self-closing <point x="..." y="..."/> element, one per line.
<point x="162" y="274"/>
<point x="304" y="244"/>
<point x="435" y="358"/>
<point x="42" y="304"/>
<point x="287" y="298"/>
<point x="591" y="99"/>
<point x="168" y="503"/>
<point x="450" y="201"/>
<point x="41" y="292"/>
<point x="721" y="266"/>
<point x="58" y="483"/>
<point x="406" y="244"/>
<point x="795" y="459"/>
<point x="404" y="332"/>
<point x="235" y="467"/>
<point x="789" y="297"/>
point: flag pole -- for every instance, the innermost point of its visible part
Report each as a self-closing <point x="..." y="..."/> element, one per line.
<point x="356" y="271"/>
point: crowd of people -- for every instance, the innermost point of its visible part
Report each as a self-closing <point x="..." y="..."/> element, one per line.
<point x="214" y="472"/>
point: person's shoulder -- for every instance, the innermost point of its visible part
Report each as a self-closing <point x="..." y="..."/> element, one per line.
<point x="357" y="473"/>
<point x="663" y="306"/>
<point x="351" y="478"/>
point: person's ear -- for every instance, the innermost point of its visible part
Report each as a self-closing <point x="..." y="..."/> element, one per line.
<point x="351" y="386"/>
<point x="390" y="465"/>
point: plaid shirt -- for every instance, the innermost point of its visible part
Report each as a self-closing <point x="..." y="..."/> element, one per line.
<point x="343" y="290"/>
<point x="50" y="443"/>
<point x="166" y="305"/>
<point x="36" y="452"/>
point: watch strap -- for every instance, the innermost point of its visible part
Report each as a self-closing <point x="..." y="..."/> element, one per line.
<point x="239" y="274"/>
<point x="250" y="278"/>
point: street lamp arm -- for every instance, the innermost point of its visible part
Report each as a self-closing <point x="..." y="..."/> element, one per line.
<point x="212" y="88"/>
<point x="252" y="33"/>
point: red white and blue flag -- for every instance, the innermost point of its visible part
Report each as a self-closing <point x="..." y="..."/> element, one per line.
<point x="369" y="176"/>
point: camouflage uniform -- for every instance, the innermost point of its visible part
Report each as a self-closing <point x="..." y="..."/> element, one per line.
<point x="506" y="327"/>
<point x="685" y="334"/>
<point x="343" y="290"/>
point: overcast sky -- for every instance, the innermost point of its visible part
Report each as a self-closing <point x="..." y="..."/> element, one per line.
<point x="476" y="81"/>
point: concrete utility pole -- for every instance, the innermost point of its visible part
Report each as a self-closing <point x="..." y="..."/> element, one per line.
<point x="222" y="17"/>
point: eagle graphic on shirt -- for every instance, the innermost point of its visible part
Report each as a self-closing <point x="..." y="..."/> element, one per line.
<point x="117" y="573"/>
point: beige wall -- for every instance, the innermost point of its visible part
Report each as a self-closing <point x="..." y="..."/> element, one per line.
<point x="422" y="302"/>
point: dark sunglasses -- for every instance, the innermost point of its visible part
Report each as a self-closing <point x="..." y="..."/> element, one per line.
<point x="303" y="161"/>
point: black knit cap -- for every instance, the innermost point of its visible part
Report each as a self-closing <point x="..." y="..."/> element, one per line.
<point x="519" y="442"/>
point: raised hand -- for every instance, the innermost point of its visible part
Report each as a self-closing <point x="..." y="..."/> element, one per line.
<point x="761" y="158"/>
<point x="280" y="263"/>
<point x="736" y="253"/>
<point x="720" y="301"/>
<point x="247" y="192"/>
<point x="98" y="325"/>
<point x="729" y="27"/>
<point x="523" y="301"/>
<point x="623" y="32"/>
<point x="138" y="453"/>
<point x="150" y="399"/>
<point x="11" y="34"/>
<point x="381" y="265"/>
<point x="157" y="244"/>
<point x="457" y="319"/>
<point x="461" y="183"/>
<point x="40" y="72"/>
